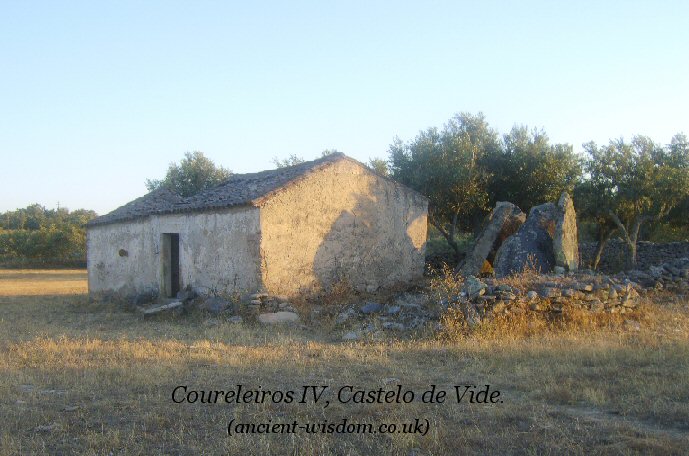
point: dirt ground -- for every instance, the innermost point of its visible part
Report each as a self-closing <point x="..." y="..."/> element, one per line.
<point x="84" y="378"/>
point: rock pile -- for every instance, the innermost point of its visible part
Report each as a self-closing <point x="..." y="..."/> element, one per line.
<point x="485" y="298"/>
<point x="267" y="309"/>
<point x="406" y="312"/>
<point x="672" y="275"/>
<point x="481" y="299"/>
<point x="270" y="309"/>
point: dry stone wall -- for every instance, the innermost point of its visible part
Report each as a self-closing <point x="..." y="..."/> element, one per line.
<point x="483" y="298"/>
<point x="648" y="254"/>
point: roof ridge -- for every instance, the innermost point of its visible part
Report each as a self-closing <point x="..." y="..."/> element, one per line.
<point x="237" y="190"/>
<point x="318" y="160"/>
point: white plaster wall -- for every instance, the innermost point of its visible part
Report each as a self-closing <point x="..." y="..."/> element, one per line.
<point x="107" y="270"/>
<point x="342" y="223"/>
<point x="219" y="251"/>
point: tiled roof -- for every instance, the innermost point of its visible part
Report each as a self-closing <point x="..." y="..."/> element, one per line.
<point x="238" y="190"/>
<point x="157" y="201"/>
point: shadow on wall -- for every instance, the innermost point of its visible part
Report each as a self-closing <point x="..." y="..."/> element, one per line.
<point x="378" y="243"/>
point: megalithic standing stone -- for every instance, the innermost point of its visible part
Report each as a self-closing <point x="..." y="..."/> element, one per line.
<point x="504" y="221"/>
<point x="566" y="241"/>
<point x="547" y="239"/>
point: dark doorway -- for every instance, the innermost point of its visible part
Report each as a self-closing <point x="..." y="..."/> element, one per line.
<point x="174" y="264"/>
<point x="170" y="263"/>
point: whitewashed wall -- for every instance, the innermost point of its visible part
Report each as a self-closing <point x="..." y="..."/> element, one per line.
<point x="218" y="250"/>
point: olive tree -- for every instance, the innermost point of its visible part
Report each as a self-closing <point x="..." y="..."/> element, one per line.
<point x="194" y="174"/>
<point x="528" y="170"/>
<point x="379" y="165"/>
<point x="292" y="160"/>
<point x="445" y="165"/>
<point x="632" y="183"/>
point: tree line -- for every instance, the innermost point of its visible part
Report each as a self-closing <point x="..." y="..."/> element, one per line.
<point x="36" y="236"/>
<point x="465" y="167"/>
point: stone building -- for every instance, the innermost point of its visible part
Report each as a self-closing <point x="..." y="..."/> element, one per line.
<point x="288" y="231"/>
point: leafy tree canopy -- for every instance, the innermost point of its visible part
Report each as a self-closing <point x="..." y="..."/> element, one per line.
<point x="194" y="174"/>
<point x="289" y="161"/>
<point x="527" y="170"/>
<point x="379" y="165"/>
<point x="38" y="235"/>
<point x="631" y="183"/>
<point x="445" y="165"/>
<point x="36" y="217"/>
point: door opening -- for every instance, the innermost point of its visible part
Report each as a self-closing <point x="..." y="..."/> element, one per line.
<point x="170" y="263"/>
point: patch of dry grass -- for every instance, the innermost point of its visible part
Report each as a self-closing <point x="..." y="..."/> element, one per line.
<point x="34" y="282"/>
<point x="80" y="378"/>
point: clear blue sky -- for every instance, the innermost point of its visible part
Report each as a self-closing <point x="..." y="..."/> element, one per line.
<point x="95" y="96"/>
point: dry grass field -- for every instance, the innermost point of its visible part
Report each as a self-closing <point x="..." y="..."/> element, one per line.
<point x="82" y="378"/>
<point x="35" y="282"/>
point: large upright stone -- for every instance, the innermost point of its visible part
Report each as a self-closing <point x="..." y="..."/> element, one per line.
<point x="531" y="247"/>
<point x="566" y="241"/>
<point x="503" y="222"/>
